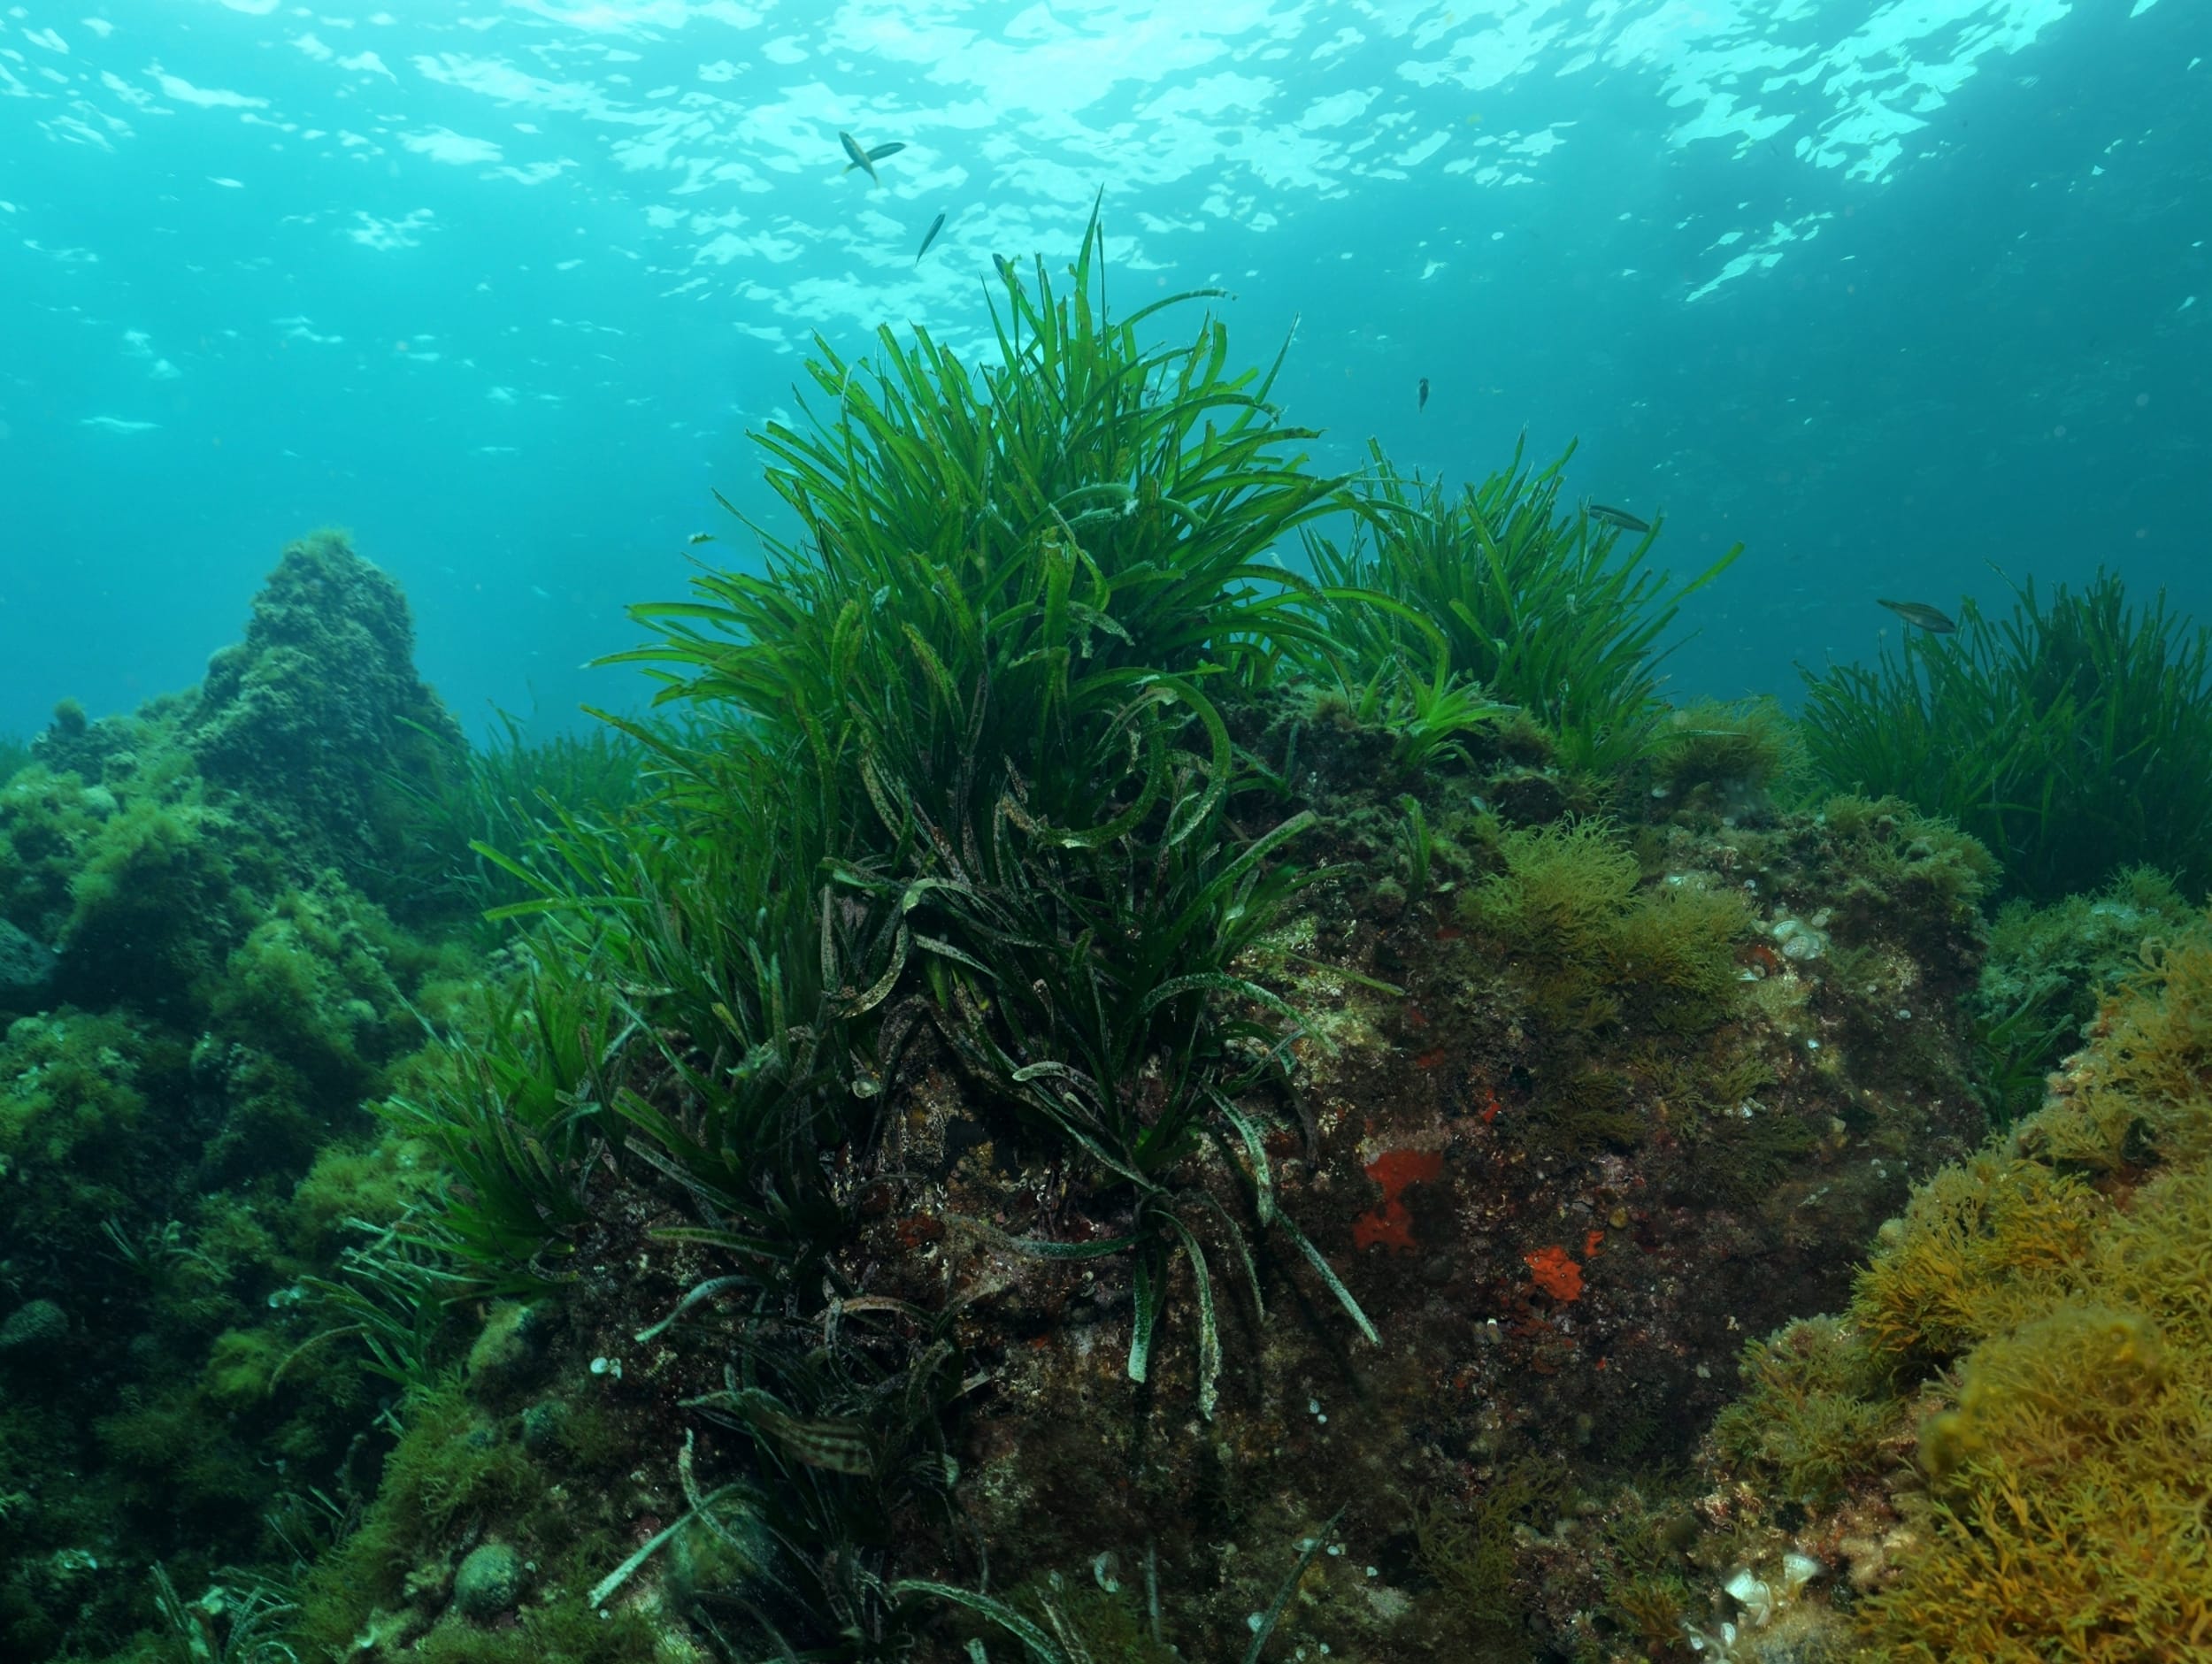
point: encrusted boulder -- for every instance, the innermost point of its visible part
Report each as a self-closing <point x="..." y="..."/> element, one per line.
<point x="488" y="1581"/>
<point x="26" y="968"/>
<point x="34" y="1330"/>
<point x="319" y="712"/>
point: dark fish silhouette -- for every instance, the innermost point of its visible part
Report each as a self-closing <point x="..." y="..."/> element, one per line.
<point x="1006" y="270"/>
<point x="928" y="237"/>
<point x="1424" y="404"/>
<point x="866" y="160"/>
<point x="841" y="1446"/>
<point x="1621" y="517"/>
<point x="1925" y="618"/>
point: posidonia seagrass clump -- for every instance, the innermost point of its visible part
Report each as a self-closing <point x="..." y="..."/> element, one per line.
<point x="960" y="754"/>
<point x="2073" y="739"/>
<point x="954" y="779"/>
<point x="956" y="782"/>
<point x="1535" y="599"/>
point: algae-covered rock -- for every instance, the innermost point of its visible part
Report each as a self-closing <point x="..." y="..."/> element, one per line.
<point x="510" y="1346"/>
<point x="155" y="906"/>
<point x="318" y="711"/>
<point x="541" y="1427"/>
<point x="488" y="1581"/>
<point x="349" y="1182"/>
<point x="196" y="999"/>
<point x="705" y="1563"/>
<point x="34" y="1330"/>
<point x="26" y="968"/>
<point x="73" y="743"/>
<point x="71" y="1106"/>
<point x="312" y="984"/>
<point x="47" y="819"/>
<point x="1997" y="1444"/>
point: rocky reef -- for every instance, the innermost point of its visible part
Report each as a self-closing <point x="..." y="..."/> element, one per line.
<point x="1098" y="1100"/>
<point x="1573" y="1122"/>
<point x="198" y="1000"/>
<point x="1989" y="1452"/>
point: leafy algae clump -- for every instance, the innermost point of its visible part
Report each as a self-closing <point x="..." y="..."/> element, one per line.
<point x="1982" y="1247"/>
<point x="1727" y="758"/>
<point x="1558" y="902"/>
<point x="1590" y="950"/>
<point x="1808" y="1417"/>
<point x="2048" y="971"/>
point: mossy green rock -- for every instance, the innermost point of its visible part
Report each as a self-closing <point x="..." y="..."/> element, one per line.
<point x="509" y="1346"/>
<point x="34" y="1330"/>
<point x="26" y="968"/>
<point x="541" y="1428"/>
<point x="319" y="709"/>
<point x="488" y="1581"/>
<point x="703" y="1562"/>
<point x="155" y="906"/>
<point x="71" y="1107"/>
<point x="312" y="984"/>
<point x="47" y="818"/>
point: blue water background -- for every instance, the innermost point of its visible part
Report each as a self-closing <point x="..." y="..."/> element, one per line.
<point x="1889" y="293"/>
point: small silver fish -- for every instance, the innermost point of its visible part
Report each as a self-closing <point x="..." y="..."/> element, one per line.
<point x="1006" y="270"/>
<point x="1925" y="618"/>
<point x="928" y="237"/>
<point x="1424" y="404"/>
<point x="1620" y="517"/>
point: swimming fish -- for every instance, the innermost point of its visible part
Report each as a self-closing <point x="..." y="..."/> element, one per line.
<point x="1006" y="270"/>
<point x="1914" y="613"/>
<point x="1424" y="404"/>
<point x="928" y="237"/>
<point x="1620" y="517"/>
<point x="842" y="1445"/>
<point x="866" y="160"/>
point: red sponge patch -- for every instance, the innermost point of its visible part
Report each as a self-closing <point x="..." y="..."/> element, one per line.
<point x="1388" y="1221"/>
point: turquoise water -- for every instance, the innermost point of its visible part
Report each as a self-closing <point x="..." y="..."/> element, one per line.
<point x="1889" y="292"/>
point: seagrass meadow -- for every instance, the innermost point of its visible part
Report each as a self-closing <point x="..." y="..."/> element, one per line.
<point x="1150" y="1053"/>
